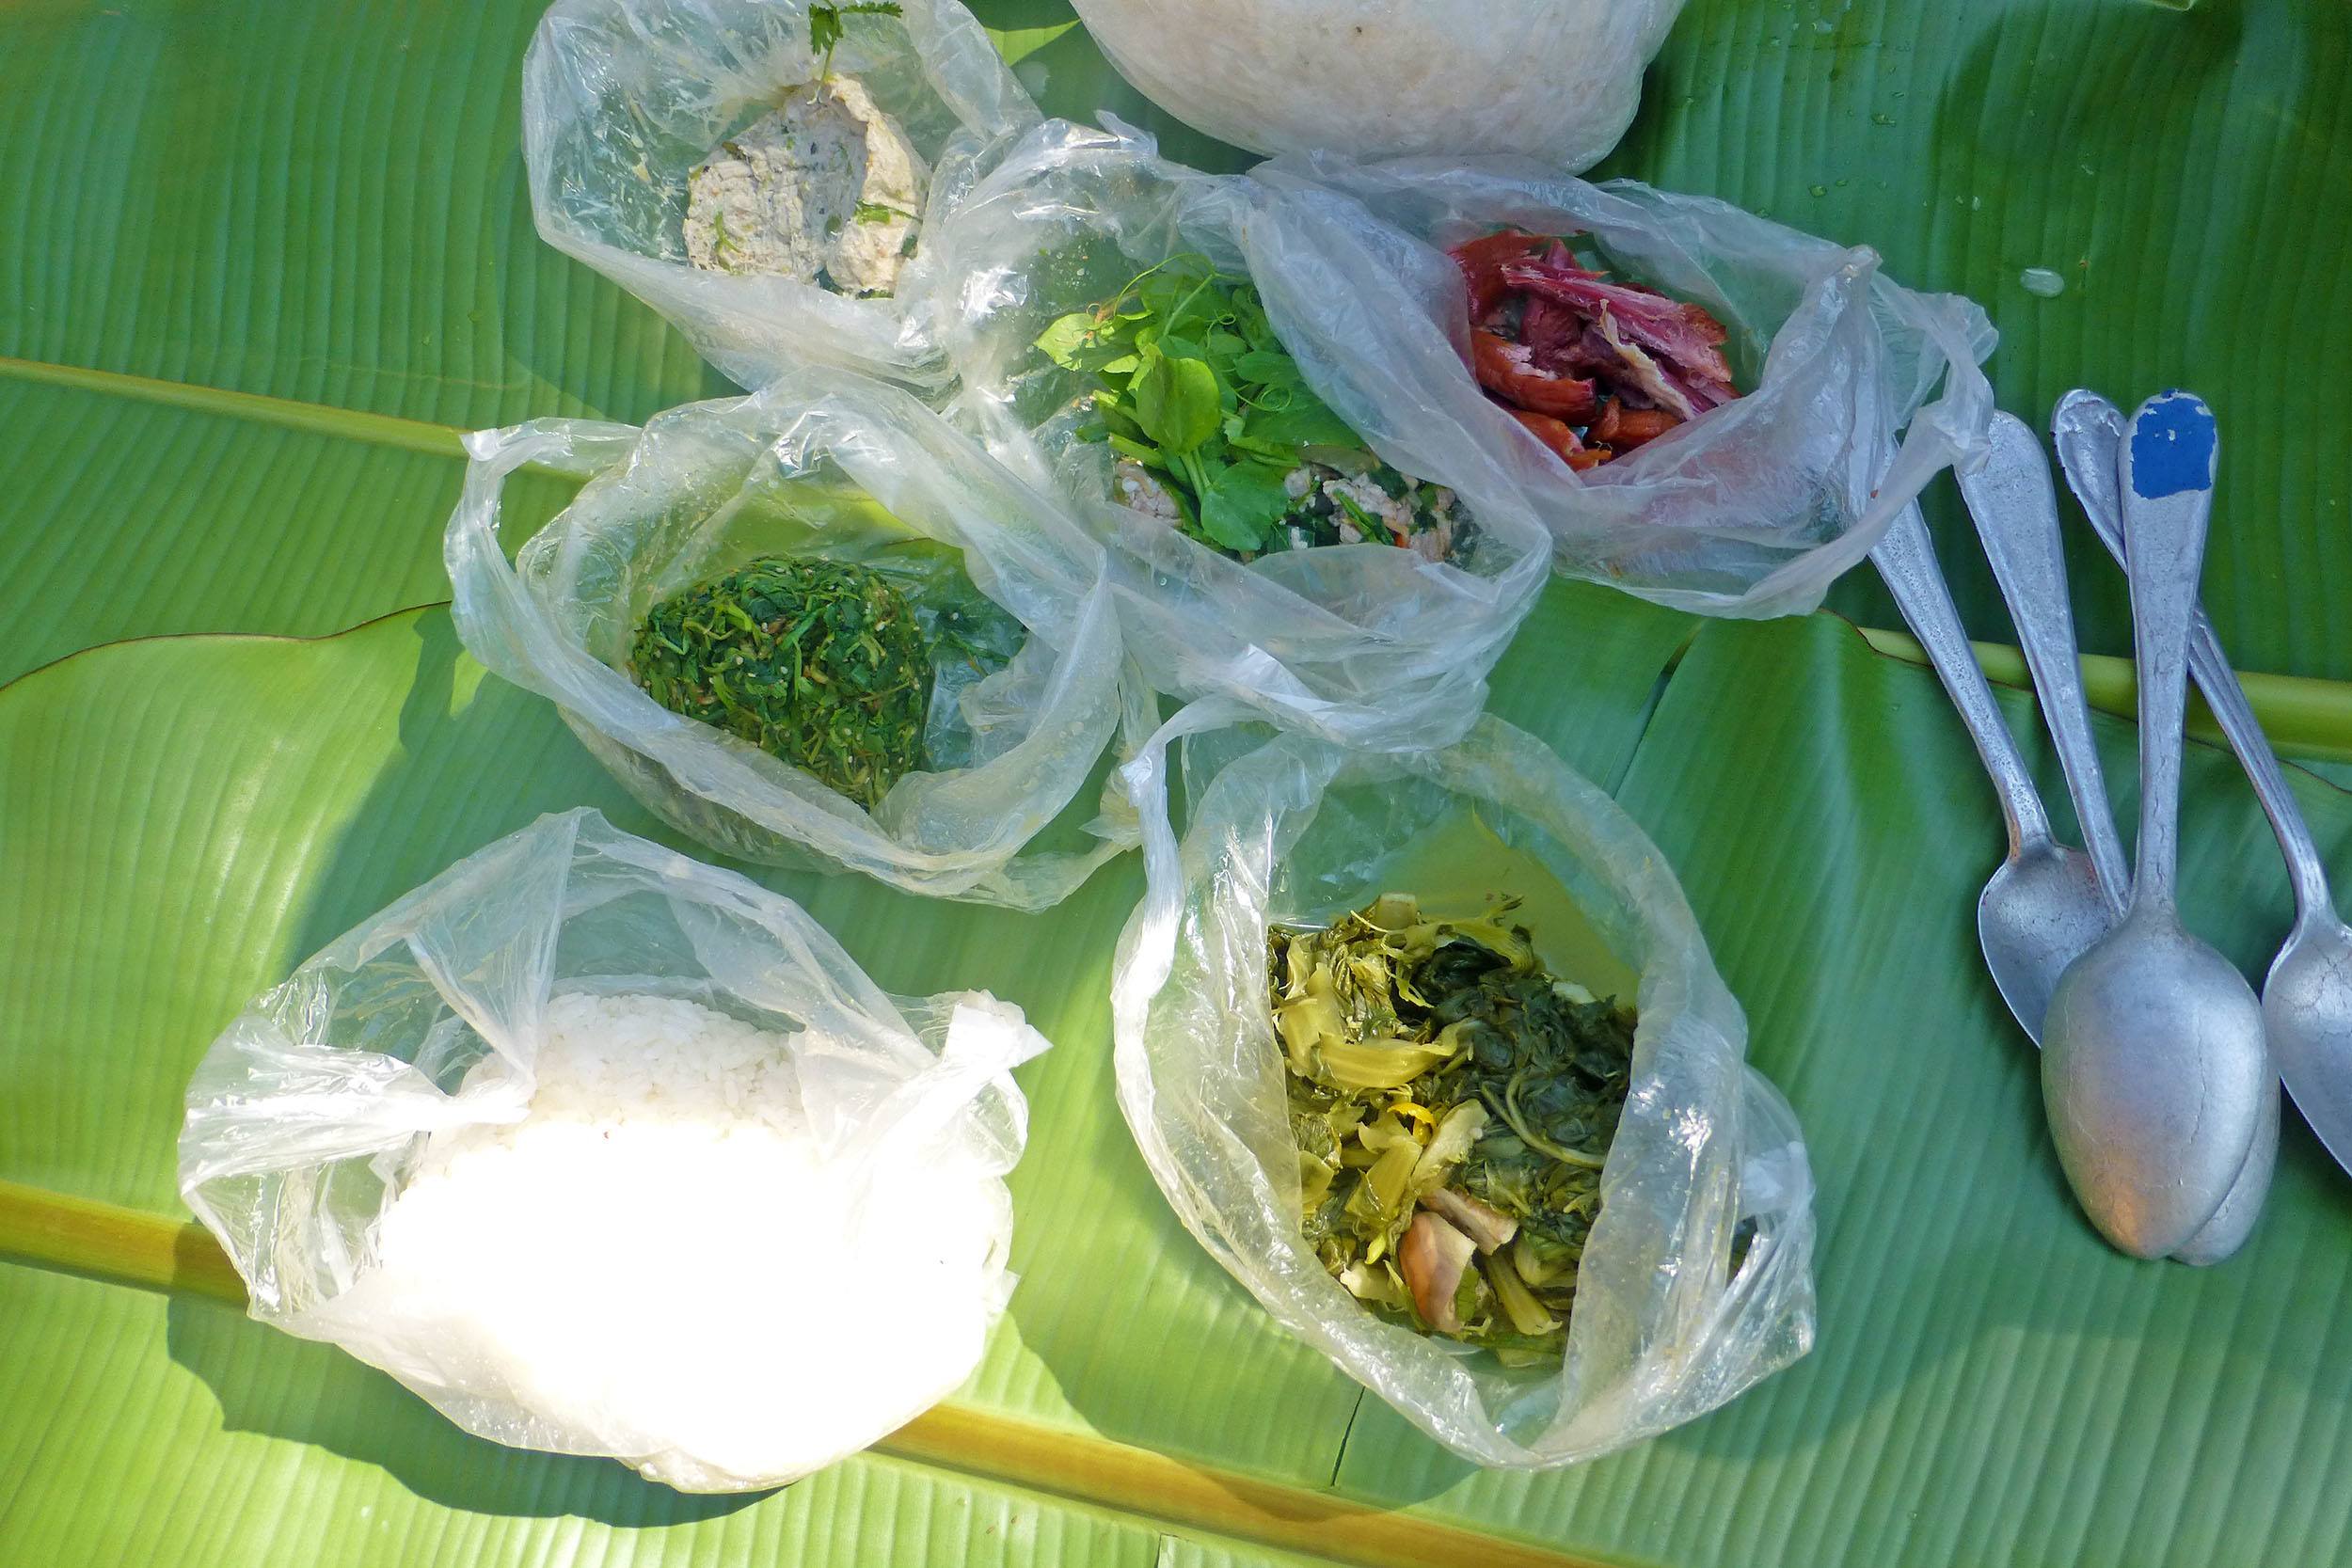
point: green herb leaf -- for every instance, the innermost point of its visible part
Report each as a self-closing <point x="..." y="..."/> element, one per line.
<point x="1242" y="503"/>
<point x="1305" y="422"/>
<point x="824" y="27"/>
<point x="1176" y="401"/>
<point x="1062" y="341"/>
<point x="1267" y="367"/>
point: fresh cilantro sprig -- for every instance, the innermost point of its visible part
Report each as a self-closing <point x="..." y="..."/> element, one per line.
<point x="1191" y="383"/>
<point x="824" y="27"/>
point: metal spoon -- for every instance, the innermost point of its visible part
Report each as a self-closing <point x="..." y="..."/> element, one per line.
<point x="2307" y="999"/>
<point x="2015" y="510"/>
<point x="2153" y="1065"/>
<point x="2089" y="432"/>
<point x="2042" y="906"/>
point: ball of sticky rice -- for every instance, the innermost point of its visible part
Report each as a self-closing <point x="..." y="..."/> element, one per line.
<point x="661" y="1261"/>
<point x="1557" y="80"/>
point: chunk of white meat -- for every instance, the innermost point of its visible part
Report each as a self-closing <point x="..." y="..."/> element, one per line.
<point x="1135" y="486"/>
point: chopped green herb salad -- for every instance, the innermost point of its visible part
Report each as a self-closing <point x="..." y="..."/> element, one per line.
<point x="822" y="664"/>
<point x="1213" y="428"/>
<point x="1453" y="1104"/>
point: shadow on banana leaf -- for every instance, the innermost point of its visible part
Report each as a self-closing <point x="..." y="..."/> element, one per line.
<point x="312" y="1393"/>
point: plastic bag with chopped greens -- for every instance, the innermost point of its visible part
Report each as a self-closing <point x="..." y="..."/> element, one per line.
<point x="824" y="466"/>
<point x="623" y="98"/>
<point x="1857" y="390"/>
<point x="1362" y="643"/>
<point x="1696" y="1278"/>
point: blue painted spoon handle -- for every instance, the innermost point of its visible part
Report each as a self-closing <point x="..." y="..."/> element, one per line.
<point x="2089" y="431"/>
<point x="2166" y="479"/>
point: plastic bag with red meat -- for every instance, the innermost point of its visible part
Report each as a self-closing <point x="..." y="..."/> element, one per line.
<point x="1856" y="391"/>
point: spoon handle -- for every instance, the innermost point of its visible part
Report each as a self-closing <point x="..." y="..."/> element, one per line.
<point x="2166" y="482"/>
<point x="2089" y="431"/>
<point x="1905" y="558"/>
<point x="2017" y="515"/>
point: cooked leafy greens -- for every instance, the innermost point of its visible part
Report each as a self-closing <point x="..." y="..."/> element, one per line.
<point x="1453" y="1104"/>
<point x="821" y="664"/>
<point x="1214" y="428"/>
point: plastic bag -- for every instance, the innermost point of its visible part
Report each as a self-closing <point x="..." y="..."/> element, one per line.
<point x="1753" y="509"/>
<point x="1708" y="1152"/>
<point x="1555" y="79"/>
<point x="820" y="464"/>
<point x="623" y="98"/>
<point x="314" y="1111"/>
<point x="1366" y="645"/>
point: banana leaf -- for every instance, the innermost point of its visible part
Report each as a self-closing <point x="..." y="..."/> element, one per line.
<point x="261" y="262"/>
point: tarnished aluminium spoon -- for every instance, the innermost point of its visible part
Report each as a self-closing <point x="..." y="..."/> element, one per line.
<point x="2307" y="999"/>
<point x="2015" y="508"/>
<point x="2045" y="899"/>
<point x="2153" y="1062"/>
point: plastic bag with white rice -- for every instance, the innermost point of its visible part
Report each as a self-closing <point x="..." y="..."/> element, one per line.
<point x="1553" y="79"/>
<point x="604" y="1151"/>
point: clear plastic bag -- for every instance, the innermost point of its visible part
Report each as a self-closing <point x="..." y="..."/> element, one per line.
<point x="316" y="1108"/>
<point x="1365" y="644"/>
<point x="1751" y="510"/>
<point x="1556" y="79"/>
<point x="623" y="98"/>
<point x="820" y="463"/>
<point x="1708" y="1153"/>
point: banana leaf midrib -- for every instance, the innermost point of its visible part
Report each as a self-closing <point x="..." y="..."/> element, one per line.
<point x="133" y="1247"/>
<point x="2304" y="717"/>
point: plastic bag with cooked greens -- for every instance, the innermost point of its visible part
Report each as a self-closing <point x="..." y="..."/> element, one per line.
<point x="821" y="466"/>
<point x="1696" y="1278"/>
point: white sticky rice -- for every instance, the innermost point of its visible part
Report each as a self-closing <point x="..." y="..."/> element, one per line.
<point x="660" y="1263"/>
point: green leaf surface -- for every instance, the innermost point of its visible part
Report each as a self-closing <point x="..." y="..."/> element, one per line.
<point x="2187" y="171"/>
<point x="1242" y="502"/>
<point x="291" y="248"/>
<point x="138" y="517"/>
<point x="211" y="1439"/>
<point x="186" y="819"/>
<point x="1175" y="400"/>
<point x="319" y="203"/>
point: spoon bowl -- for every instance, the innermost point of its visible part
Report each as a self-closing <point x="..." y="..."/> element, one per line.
<point x="2307" y="1012"/>
<point x="2042" y="908"/>
<point x="2232" y="1223"/>
<point x="2155" y="1076"/>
